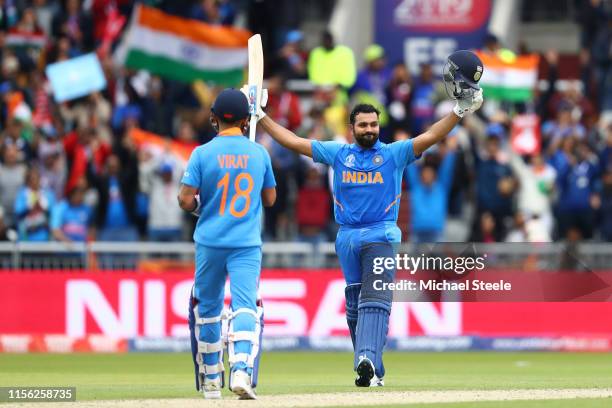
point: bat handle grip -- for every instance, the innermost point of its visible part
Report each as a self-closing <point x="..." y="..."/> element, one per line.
<point x="252" y="128"/>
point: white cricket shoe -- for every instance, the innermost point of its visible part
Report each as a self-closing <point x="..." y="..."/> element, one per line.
<point x="212" y="388"/>
<point x="377" y="382"/>
<point x="241" y="385"/>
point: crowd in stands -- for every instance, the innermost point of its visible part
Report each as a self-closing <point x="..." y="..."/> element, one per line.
<point x="72" y="172"/>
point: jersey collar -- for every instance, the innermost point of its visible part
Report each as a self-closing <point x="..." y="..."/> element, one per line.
<point x="376" y="146"/>
<point x="233" y="131"/>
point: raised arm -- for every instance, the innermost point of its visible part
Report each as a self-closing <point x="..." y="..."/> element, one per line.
<point x="441" y="128"/>
<point x="435" y="133"/>
<point x="286" y="137"/>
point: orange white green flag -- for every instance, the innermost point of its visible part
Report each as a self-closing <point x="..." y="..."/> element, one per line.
<point x="511" y="79"/>
<point x="183" y="49"/>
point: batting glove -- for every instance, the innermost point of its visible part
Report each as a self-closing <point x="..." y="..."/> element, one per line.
<point x="259" y="114"/>
<point x="198" y="207"/>
<point x="468" y="105"/>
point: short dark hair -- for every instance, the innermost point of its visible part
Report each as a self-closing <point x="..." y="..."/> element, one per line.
<point x="363" y="108"/>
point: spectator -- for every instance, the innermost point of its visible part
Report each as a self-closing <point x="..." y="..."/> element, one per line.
<point x="334" y="103"/>
<point x="313" y="207"/>
<point x="582" y="110"/>
<point x="44" y="11"/>
<point x="159" y="180"/>
<point x="492" y="45"/>
<point x="374" y="77"/>
<point x="494" y="184"/>
<point x="27" y="38"/>
<point x="12" y="177"/>
<point x="14" y="135"/>
<point x="83" y="148"/>
<point x="129" y="108"/>
<point x="214" y="12"/>
<point x="71" y="219"/>
<point x="399" y="98"/>
<point x="486" y="228"/>
<point x="429" y="198"/>
<point x="536" y="182"/>
<point x="52" y="163"/>
<point x="33" y="205"/>
<point x="158" y="109"/>
<point x="577" y="170"/>
<point x="116" y="215"/>
<point x="186" y="135"/>
<point x="331" y="64"/>
<point x="292" y="56"/>
<point x="75" y="24"/>
<point x="565" y="125"/>
<point x="315" y="127"/>
<point x="283" y="105"/>
<point x="423" y="108"/>
<point x="93" y="112"/>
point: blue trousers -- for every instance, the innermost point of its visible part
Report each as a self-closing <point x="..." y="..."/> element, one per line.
<point x="350" y="242"/>
<point x="213" y="265"/>
<point x="367" y="310"/>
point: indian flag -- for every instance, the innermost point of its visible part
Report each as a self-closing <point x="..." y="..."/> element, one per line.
<point x="183" y="49"/>
<point x="511" y="80"/>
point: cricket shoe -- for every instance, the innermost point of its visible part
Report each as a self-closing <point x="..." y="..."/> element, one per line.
<point x="365" y="372"/>
<point x="212" y="388"/>
<point x="241" y="385"/>
<point x="377" y="382"/>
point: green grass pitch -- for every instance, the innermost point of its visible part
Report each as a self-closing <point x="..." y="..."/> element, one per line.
<point x="170" y="375"/>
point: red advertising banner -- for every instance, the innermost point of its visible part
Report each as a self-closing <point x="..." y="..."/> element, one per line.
<point x="525" y="134"/>
<point x="297" y="303"/>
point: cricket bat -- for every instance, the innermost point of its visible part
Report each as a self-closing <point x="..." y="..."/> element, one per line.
<point x="255" y="81"/>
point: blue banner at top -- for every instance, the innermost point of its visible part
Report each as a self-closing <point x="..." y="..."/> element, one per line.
<point x="427" y="31"/>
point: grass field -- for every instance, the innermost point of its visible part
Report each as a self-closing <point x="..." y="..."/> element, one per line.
<point x="436" y="377"/>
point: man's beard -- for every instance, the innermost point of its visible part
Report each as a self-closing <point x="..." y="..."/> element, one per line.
<point x="366" y="140"/>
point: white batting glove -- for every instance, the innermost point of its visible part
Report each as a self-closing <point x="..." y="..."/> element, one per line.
<point x="468" y="105"/>
<point x="196" y="210"/>
<point x="259" y="114"/>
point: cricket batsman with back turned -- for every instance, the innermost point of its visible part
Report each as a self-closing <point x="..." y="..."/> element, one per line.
<point x="225" y="184"/>
<point x="366" y="193"/>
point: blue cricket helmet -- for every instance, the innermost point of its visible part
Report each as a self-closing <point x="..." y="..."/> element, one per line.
<point x="230" y="105"/>
<point x="462" y="71"/>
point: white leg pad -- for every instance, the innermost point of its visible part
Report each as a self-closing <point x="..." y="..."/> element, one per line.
<point x="211" y="369"/>
<point x="207" y="348"/>
<point x="253" y="337"/>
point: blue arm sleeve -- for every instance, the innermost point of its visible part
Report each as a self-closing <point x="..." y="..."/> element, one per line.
<point x="445" y="174"/>
<point x="193" y="176"/>
<point x="325" y="152"/>
<point x="269" y="180"/>
<point x="403" y="153"/>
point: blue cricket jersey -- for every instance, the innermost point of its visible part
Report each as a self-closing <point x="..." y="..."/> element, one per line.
<point x="230" y="173"/>
<point x="72" y="220"/>
<point x="367" y="183"/>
